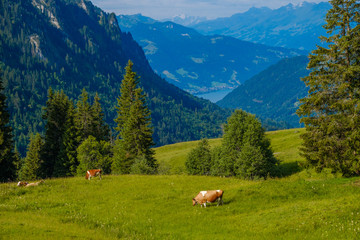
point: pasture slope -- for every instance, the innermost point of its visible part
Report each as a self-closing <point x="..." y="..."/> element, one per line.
<point x="303" y="205"/>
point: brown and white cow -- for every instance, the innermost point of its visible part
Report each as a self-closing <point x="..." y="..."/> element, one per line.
<point x="208" y="196"/>
<point x="22" y="184"/>
<point x="93" y="173"/>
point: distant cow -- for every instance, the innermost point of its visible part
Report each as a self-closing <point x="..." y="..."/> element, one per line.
<point x="22" y="184"/>
<point x="208" y="196"/>
<point x="93" y="173"/>
<point x="34" y="184"/>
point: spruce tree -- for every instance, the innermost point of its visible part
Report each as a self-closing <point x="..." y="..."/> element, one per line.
<point x="133" y="125"/>
<point x="100" y="130"/>
<point x="7" y="155"/>
<point x="56" y="116"/>
<point x="84" y="116"/>
<point x="330" y="112"/>
<point x="30" y="169"/>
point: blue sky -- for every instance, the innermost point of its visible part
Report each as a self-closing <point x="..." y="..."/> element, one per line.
<point x="160" y="9"/>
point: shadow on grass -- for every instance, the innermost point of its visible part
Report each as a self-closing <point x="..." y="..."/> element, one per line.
<point x="287" y="169"/>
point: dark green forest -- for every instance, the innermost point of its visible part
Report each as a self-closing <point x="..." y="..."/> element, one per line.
<point x="71" y="45"/>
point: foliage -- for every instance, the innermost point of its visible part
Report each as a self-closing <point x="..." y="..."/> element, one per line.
<point x="133" y="125"/>
<point x="30" y="170"/>
<point x="7" y="155"/>
<point x="93" y="154"/>
<point x="330" y="112"/>
<point x="198" y="161"/>
<point x="245" y="151"/>
<point x="141" y="166"/>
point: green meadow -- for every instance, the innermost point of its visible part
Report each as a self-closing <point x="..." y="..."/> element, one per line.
<point x="300" y="205"/>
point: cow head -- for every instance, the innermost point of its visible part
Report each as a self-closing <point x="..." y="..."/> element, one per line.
<point x="194" y="201"/>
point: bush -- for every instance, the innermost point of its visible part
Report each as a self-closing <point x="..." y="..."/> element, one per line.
<point x="141" y="166"/>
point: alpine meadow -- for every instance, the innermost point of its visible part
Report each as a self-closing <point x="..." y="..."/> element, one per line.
<point x="95" y="143"/>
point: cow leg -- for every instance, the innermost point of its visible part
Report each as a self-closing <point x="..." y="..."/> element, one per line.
<point x="205" y="204"/>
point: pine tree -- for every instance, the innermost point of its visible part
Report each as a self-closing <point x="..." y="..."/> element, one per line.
<point x="330" y="112"/>
<point x="56" y="116"/>
<point x="7" y="155"/>
<point x="100" y="130"/>
<point x="133" y="125"/>
<point x="84" y="116"/>
<point x="67" y="162"/>
<point x="30" y="170"/>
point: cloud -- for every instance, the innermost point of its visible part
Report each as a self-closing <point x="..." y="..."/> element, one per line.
<point x="160" y="9"/>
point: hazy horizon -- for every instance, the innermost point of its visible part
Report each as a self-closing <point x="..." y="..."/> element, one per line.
<point x="211" y="9"/>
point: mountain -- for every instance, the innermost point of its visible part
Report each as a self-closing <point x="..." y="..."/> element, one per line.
<point x="274" y="93"/>
<point x="291" y="26"/>
<point x="197" y="63"/>
<point x="71" y="45"/>
<point x="185" y="20"/>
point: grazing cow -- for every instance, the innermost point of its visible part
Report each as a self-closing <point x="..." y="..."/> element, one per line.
<point x="34" y="184"/>
<point x="208" y="196"/>
<point x="93" y="173"/>
<point x="22" y="184"/>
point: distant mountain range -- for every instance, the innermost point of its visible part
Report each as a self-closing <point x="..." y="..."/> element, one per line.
<point x="291" y="26"/>
<point x="185" y="20"/>
<point x="198" y="63"/>
<point x="274" y="93"/>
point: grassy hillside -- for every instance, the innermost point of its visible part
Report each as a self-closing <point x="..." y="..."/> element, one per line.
<point x="159" y="207"/>
<point x="285" y="144"/>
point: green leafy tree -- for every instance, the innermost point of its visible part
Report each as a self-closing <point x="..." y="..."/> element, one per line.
<point x="94" y="154"/>
<point x="198" y="161"/>
<point x="246" y="151"/>
<point x="133" y="125"/>
<point x="330" y="112"/>
<point x="7" y="155"/>
<point x="30" y="169"/>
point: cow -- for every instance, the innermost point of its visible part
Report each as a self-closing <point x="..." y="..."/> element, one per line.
<point x="22" y="184"/>
<point x="208" y="196"/>
<point x="34" y="184"/>
<point x="93" y="173"/>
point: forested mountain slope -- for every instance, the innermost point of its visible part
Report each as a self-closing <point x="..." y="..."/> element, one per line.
<point x="71" y="45"/>
<point x="198" y="63"/>
<point x="273" y="93"/>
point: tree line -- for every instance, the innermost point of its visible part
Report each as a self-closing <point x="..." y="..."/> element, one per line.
<point x="77" y="138"/>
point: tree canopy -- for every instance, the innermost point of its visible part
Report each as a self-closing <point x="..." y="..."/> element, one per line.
<point x="330" y="112"/>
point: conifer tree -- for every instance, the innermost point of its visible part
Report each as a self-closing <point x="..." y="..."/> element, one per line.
<point x="56" y="116"/>
<point x="7" y="155"/>
<point x="84" y="116"/>
<point x="100" y="130"/>
<point x="67" y="162"/>
<point x="133" y="125"/>
<point x="30" y="169"/>
<point x="330" y="112"/>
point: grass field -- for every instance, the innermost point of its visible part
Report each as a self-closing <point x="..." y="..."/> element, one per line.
<point x="301" y="206"/>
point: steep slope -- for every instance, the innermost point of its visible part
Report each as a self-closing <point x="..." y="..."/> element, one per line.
<point x="273" y="93"/>
<point x="289" y="26"/>
<point x="198" y="63"/>
<point x="70" y="45"/>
